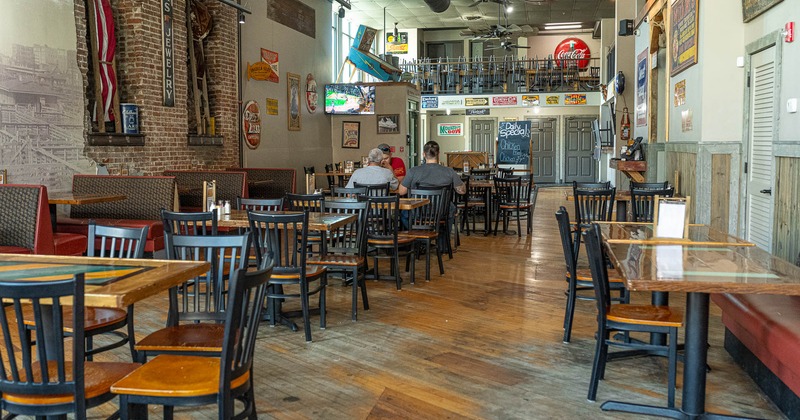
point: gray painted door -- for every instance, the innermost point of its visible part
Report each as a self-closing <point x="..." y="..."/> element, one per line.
<point x="761" y="134"/>
<point x="579" y="163"/>
<point x="543" y="149"/>
<point x="482" y="136"/>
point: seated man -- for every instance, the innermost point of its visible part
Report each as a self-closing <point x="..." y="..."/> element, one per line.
<point x="373" y="173"/>
<point x="432" y="173"/>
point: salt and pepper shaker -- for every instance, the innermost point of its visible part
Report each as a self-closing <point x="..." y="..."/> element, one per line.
<point x="227" y="208"/>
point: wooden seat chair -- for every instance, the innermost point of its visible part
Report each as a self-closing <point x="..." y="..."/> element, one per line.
<point x="282" y="240"/>
<point x="330" y="178"/>
<point x="50" y="378"/>
<point x="593" y="203"/>
<point x="513" y="195"/>
<point x="446" y="223"/>
<point x="189" y="223"/>
<point x="348" y="192"/>
<point x="504" y="172"/>
<point x="579" y="279"/>
<point x="196" y="307"/>
<point x="424" y="222"/>
<point x="185" y="380"/>
<point x="643" y="202"/>
<point x="374" y="190"/>
<point x="311" y="203"/>
<point x="475" y="201"/>
<point x="347" y="249"/>
<point x="480" y="173"/>
<point x="259" y="204"/>
<point x="627" y="318"/>
<point x="383" y="236"/>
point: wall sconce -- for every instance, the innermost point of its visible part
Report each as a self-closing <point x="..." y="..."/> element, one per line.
<point x="241" y="18"/>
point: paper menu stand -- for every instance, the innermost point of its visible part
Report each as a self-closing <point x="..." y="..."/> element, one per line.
<point x="209" y="194"/>
<point x="311" y="184"/>
<point x="671" y="218"/>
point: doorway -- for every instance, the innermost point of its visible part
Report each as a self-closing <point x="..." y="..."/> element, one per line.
<point x="413" y="133"/>
<point x="543" y="149"/>
<point x="761" y="130"/>
<point x="579" y="163"/>
<point x="482" y="137"/>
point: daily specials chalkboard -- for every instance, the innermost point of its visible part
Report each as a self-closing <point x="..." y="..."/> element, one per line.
<point x="514" y="143"/>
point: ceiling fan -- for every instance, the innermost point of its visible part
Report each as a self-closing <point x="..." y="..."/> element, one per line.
<point x="494" y="31"/>
<point x="507" y="45"/>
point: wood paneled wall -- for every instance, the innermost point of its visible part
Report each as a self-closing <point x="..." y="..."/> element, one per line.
<point x="720" y="191"/>
<point x="786" y="234"/>
<point x="686" y="166"/>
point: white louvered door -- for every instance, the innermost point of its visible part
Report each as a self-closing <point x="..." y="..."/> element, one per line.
<point x="761" y="134"/>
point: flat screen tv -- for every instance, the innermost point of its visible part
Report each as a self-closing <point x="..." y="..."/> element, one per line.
<point x="349" y="99"/>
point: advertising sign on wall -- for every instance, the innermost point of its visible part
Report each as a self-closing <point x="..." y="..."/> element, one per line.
<point x="251" y="124"/>
<point x="572" y="52"/>
<point x="397" y="45"/>
<point x="641" y="88"/>
<point x="430" y="102"/>
<point x="476" y="101"/>
<point x="684" y="28"/>
<point x="504" y="100"/>
<point x="450" y="129"/>
<point x="514" y="142"/>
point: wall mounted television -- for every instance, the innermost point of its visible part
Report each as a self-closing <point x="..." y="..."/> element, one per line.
<point x="349" y="99"/>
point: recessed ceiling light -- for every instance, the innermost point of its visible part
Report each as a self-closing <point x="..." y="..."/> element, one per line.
<point x="561" y="28"/>
<point x="562" y="23"/>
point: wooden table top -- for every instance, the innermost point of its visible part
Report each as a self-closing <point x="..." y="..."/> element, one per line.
<point x="110" y="282"/>
<point x="78" y="199"/>
<point x="641" y="232"/>
<point x="316" y="221"/>
<point x="405" y="203"/>
<point x="333" y="174"/>
<point x="702" y="268"/>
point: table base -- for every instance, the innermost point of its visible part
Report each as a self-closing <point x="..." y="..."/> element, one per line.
<point x="651" y="410"/>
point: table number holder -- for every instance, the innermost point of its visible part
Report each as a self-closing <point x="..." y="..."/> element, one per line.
<point x="671" y="218"/>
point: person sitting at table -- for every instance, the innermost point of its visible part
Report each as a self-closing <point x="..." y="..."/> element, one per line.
<point x="394" y="164"/>
<point x="373" y="173"/>
<point x="432" y="173"/>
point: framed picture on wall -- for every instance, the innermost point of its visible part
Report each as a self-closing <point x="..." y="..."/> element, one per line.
<point x="293" y="96"/>
<point x="388" y="123"/>
<point x="351" y="134"/>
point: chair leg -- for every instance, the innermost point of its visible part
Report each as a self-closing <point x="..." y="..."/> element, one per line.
<point x="519" y="225"/>
<point x="673" y="359"/>
<point x="169" y="412"/>
<point x="428" y="259"/>
<point x="496" y="221"/>
<point x="569" y="313"/>
<point x="304" y="308"/>
<point x="323" y="301"/>
<point x="439" y="257"/>
<point x="598" y="366"/>
<point x="396" y="271"/>
<point x="356" y="284"/>
<point x="363" y="289"/>
<point x="131" y="332"/>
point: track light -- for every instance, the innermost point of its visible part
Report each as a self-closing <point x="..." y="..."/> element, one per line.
<point x="241" y="18"/>
<point x="341" y="12"/>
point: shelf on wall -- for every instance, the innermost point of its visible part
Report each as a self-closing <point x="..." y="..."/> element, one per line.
<point x="116" y="139"/>
<point x="198" y="140"/>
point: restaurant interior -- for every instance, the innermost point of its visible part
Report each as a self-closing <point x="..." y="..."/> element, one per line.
<point x="576" y="209"/>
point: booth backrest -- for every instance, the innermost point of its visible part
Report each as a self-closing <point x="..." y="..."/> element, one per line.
<point x="146" y="196"/>
<point x="25" y="218"/>
<point x="269" y="182"/>
<point x="230" y="184"/>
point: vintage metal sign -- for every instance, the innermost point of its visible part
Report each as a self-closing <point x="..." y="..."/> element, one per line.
<point x="429" y="102"/>
<point x="311" y="93"/>
<point x="504" y="100"/>
<point x="168" y="53"/>
<point x="572" y="52"/>
<point x="251" y="124"/>
<point x="476" y="101"/>
<point x="478" y="111"/>
<point x="530" y="100"/>
<point x="574" y="99"/>
<point x="450" y="129"/>
<point x="271" y="58"/>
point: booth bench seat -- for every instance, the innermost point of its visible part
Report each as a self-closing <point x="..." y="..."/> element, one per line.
<point x="269" y="182"/>
<point x="762" y="333"/>
<point x="146" y="196"/>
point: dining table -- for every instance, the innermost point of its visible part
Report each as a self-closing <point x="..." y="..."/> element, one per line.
<point x="708" y="261"/>
<point x="109" y="282"/>
<point x="73" y="199"/>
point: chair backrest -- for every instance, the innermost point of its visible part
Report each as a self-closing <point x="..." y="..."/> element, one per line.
<point x="351" y="238"/>
<point x="569" y="246"/>
<point x="649" y="185"/>
<point x="26" y="218"/>
<point x="383" y="217"/>
<point x="305" y="202"/>
<point x="507" y="190"/>
<point x="374" y="190"/>
<point x="308" y="170"/>
<point x="179" y="223"/>
<point x="643" y="203"/>
<point x="428" y="216"/>
<point x="203" y="297"/>
<point x="348" y="192"/>
<point x="591" y="185"/>
<point x="259" y="204"/>
<point x="330" y="178"/>
<point x="449" y="197"/>
<point x="504" y="172"/>
<point x="597" y="264"/>
<point x="480" y="173"/>
<point x="282" y="240"/>
<point x="116" y="242"/>
<point x="245" y="304"/>
<point x="22" y="360"/>
<point x="593" y="205"/>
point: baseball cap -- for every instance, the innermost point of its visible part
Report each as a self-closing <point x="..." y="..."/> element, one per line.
<point x="384" y="148"/>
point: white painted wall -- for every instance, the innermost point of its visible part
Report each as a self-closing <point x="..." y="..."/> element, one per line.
<point x="544" y="45"/>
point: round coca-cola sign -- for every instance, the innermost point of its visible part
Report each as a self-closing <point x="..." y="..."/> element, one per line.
<point x="572" y="51"/>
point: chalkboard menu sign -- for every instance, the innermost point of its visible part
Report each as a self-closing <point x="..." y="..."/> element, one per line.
<point x="514" y="143"/>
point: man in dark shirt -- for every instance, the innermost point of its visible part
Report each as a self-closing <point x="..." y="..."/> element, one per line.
<point x="431" y="173"/>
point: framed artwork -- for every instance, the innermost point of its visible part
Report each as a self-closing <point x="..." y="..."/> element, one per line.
<point x="684" y="29"/>
<point x="3" y="176"/>
<point x="351" y="134"/>
<point x="293" y="96"/>
<point x="388" y="123"/>
<point x="753" y="8"/>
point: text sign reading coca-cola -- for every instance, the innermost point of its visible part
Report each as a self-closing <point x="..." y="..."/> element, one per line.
<point x="572" y="51"/>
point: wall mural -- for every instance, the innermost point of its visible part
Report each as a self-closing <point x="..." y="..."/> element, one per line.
<point x="41" y="95"/>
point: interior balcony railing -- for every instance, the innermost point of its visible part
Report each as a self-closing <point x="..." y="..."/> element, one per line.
<point x="502" y="75"/>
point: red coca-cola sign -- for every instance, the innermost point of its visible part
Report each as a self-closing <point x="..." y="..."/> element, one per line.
<point x="570" y="51"/>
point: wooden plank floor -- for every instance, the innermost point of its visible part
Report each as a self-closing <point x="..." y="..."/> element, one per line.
<point x="482" y="341"/>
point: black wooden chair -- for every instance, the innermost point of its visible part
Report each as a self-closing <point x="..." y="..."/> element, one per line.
<point x="330" y="178"/>
<point x="70" y="385"/>
<point x="476" y="201"/>
<point x="259" y="204"/>
<point x="643" y="202"/>
<point x="513" y="195"/>
<point x="424" y="224"/>
<point x="197" y="306"/>
<point x="383" y="236"/>
<point x="311" y="203"/>
<point x="480" y="173"/>
<point x="649" y="185"/>
<point x="347" y="249"/>
<point x="374" y="190"/>
<point x="184" y="380"/>
<point x="579" y="279"/>
<point x="348" y="192"/>
<point x="282" y="240"/>
<point x="183" y="223"/>
<point x="504" y="172"/>
<point x="593" y="203"/>
<point x="627" y="318"/>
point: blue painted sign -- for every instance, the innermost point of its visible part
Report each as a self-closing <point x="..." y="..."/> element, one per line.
<point x="514" y="143"/>
<point x="430" y="102"/>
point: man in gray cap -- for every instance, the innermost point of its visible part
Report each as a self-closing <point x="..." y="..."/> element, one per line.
<point x="394" y="164"/>
<point x="373" y="173"/>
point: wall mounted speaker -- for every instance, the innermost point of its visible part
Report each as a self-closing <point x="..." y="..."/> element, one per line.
<point x="626" y="27"/>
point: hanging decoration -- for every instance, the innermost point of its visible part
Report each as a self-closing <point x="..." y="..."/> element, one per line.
<point x="251" y="124"/>
<point x="106" y="48"/>
<point x="311" y="93"/>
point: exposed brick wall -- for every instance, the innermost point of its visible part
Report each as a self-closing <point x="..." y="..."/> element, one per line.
<point x="139" y="72"/>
